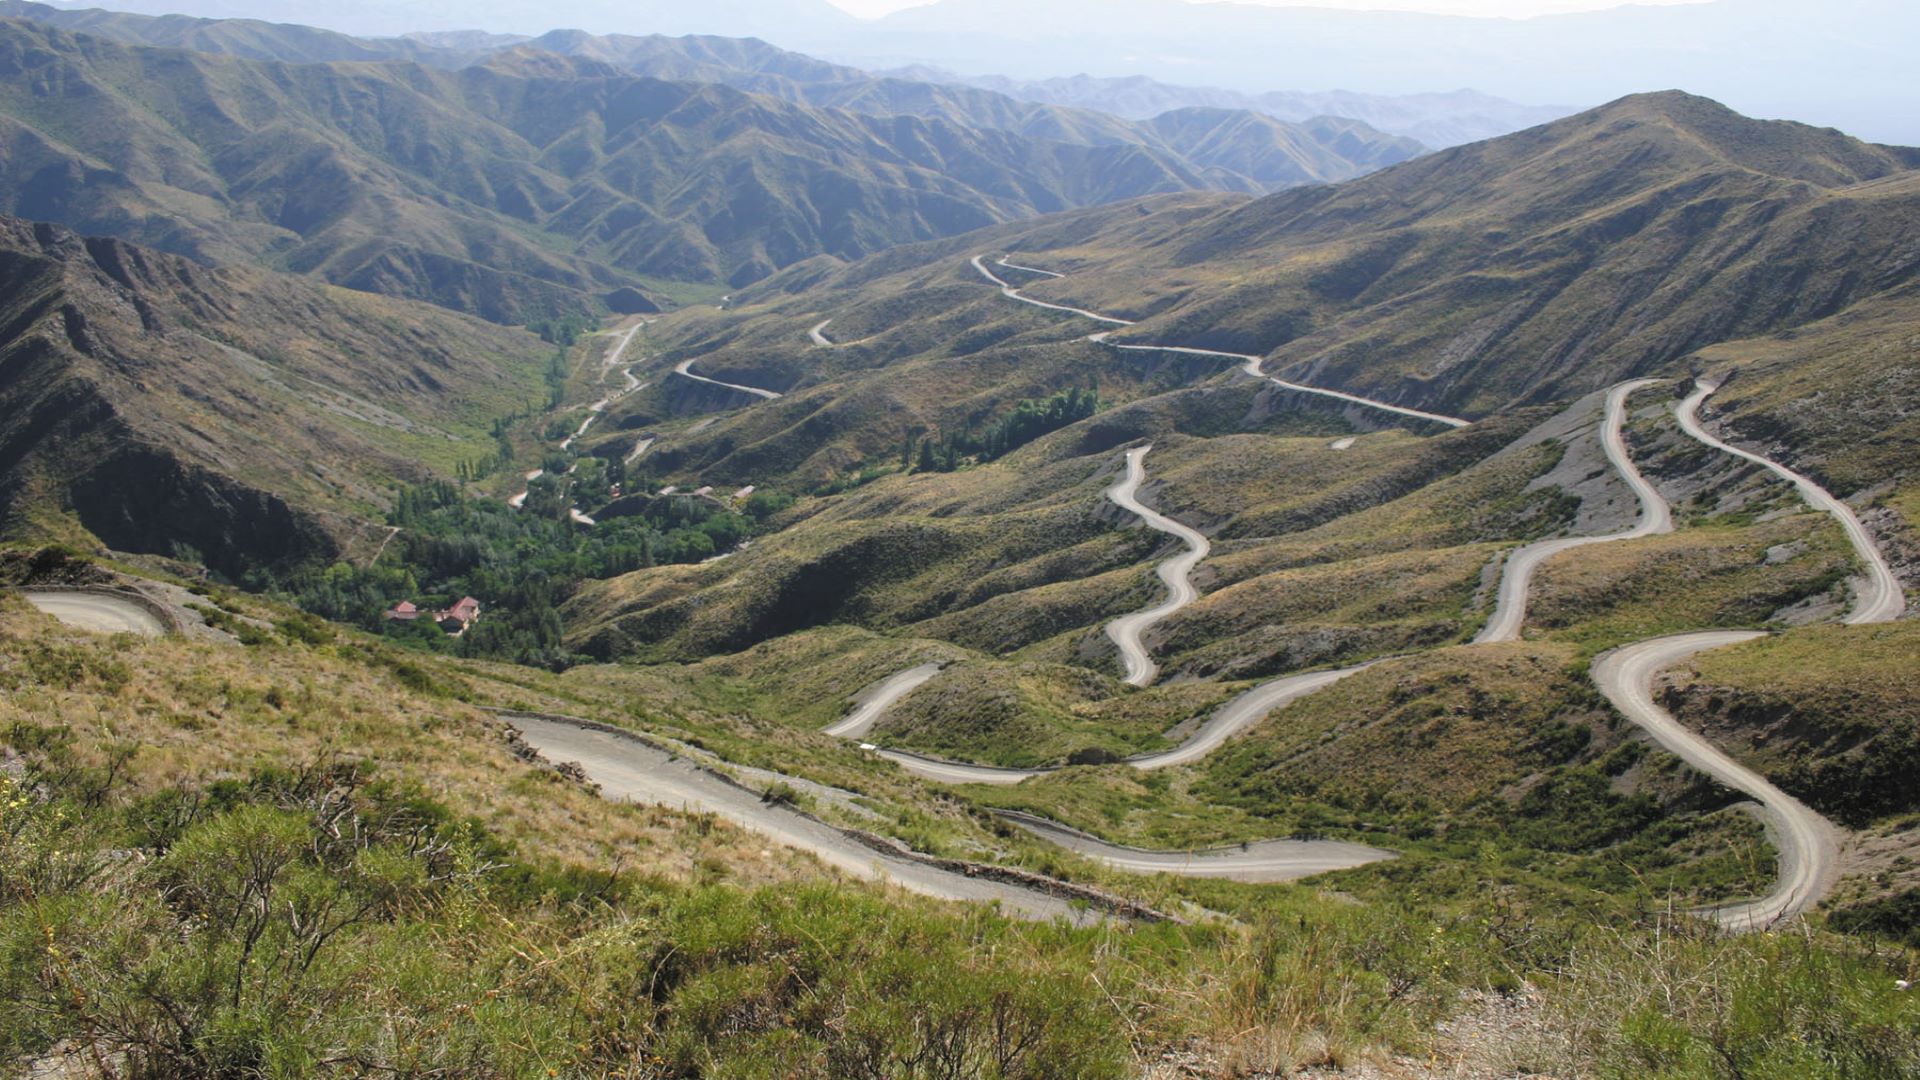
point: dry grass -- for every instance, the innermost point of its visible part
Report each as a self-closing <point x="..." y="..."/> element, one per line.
<point x="192" y="713"/>
<point x="1720" y="575"/>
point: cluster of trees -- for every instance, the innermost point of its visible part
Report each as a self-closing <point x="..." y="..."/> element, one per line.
<point x="1030" y="419"/>
<point x="563" y="329"/>
<point x="482" y="467"/>
<point x="522" y="565"/>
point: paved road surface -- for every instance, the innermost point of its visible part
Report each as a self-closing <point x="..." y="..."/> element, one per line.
<point x="627" y="769"/>
<point x="819" y="334"/>
<point x="1808" y="844"/>
<point x="1176" y="572"/>
<point x="1510" y="611"/>
<point x="99" y="614"/>
<point x="1251" y="364"/>
<point x="685" y="366"/>
<point x="1880" y="598"/>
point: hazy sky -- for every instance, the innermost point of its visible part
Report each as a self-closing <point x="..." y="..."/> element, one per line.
<point x="1514" y="9"/>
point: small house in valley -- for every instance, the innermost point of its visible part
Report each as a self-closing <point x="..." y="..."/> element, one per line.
<point x="456" y="619"/>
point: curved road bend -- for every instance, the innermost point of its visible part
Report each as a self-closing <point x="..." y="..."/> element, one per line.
<point x="1267" y="861"/>
<point x="1656" y="518"/>
<point x="872" y="704"/>
<point x="1226" y="722"/>
<point x="97" y="614"/>
<point x="685" y="366"/>
<point x="1255" y="366"/>
<point x="1012" y="293"/>
<point x="1807" y="843"/>
<point x="1880" y="598"/>
<point x="1176" y="572"/>
<point x="1004" y="261"/>
<point x="627" y="769"/>
<point x="1261" y="862"/>
<point x="1252" y="365"/>
<point x="819" y="334"/>
<point x="616" y="350"/>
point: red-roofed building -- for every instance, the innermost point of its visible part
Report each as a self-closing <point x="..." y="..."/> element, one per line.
<point x="457" y="618"/>
<point x="404" y="611"/>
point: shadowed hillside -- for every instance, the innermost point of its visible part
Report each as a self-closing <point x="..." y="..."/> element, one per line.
<point x="236" y="416"/>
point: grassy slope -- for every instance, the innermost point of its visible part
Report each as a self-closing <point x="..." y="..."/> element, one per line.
<point x="512" y="921"/>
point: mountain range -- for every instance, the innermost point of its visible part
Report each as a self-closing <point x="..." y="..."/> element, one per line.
<point x="534" y="182"/>
<point x="942" y="583"/>
<point x="1442" y="119"/>
<point x="1848" y="68"/>
<point x="1435" y="119"/>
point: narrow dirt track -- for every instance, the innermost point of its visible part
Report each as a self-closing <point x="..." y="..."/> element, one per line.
<point x="1012" y="293"/>
<point x="1176" y="573"/>
<point x="1808" y="844"/>
<point x="875" y="702"/>
<point x="684" y="368"/>
<point x="1262" y="862"/>
<point x="1252" y="365"/>
<point x="1510" y="611"/>
<point x="1880" y="599"/>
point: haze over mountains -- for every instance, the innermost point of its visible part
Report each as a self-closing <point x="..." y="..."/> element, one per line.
<point x="436" y="182"/>
<point x="1846" y="58"/>
<point x="1438" y="120"/>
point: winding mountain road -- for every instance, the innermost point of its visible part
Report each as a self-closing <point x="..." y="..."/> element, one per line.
<point x="1012" y="293"/>
<point x="1879" y="599"/>
<point x="873" y="703"/>
<point x="97" y="614"/>
<point x="1252" y="365"/>
<point x="819" y="334"/>
<point x="1267" y="861"/>
<point x="1176" y="572"/>
<point x="1510" y="611"/>
<point x="1808" y="844"/>
<point x="628" y="769"/>
<point x="615" y="350"/>
<point x="685" y="368"/>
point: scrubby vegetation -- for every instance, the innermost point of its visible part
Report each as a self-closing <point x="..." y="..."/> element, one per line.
<point x="220" y="883"/>
<point x="1029" y="420"/>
